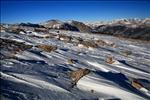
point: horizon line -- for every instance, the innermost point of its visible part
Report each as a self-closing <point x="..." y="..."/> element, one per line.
<point x="85" y="21"/>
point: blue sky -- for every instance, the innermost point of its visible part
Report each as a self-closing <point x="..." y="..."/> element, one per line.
<point x="13" y="11"/>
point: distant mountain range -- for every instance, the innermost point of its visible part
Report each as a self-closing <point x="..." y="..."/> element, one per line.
<point x="129" y="28"/>
<point x="120" y="21"/>
<point x="69" y="25"/>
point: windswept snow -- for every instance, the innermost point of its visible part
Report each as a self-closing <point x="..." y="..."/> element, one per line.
<point x="35" y="74"/>
<point x="107" y="89"/>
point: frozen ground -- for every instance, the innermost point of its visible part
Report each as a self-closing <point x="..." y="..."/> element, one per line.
<point x="35" y="74"/>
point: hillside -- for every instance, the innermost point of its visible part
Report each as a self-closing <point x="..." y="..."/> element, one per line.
<point x="39" y="66"/>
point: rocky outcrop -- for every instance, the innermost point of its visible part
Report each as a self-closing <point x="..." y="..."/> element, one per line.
<point x="81" y="26"/>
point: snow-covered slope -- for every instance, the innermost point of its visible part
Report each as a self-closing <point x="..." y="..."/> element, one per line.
<point x="31" y="73"/>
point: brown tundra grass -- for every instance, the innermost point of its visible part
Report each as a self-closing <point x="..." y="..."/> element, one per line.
<point x="136" y="84"/>
<point x="126" y="53"/>
<point x="89" y="44"/>
<point x="77" y="75"/>
<point x="47" y="48"/>
<point x="109" y="59"/>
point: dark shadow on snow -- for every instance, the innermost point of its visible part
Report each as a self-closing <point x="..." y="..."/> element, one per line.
<point x="37" y="53"/>
<point x="32" y="61"/>
<point x="64" y="49"/>
<point x="121" y="80"/>
<point x="125" y="63"/>
<point x="15" y="90"/>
